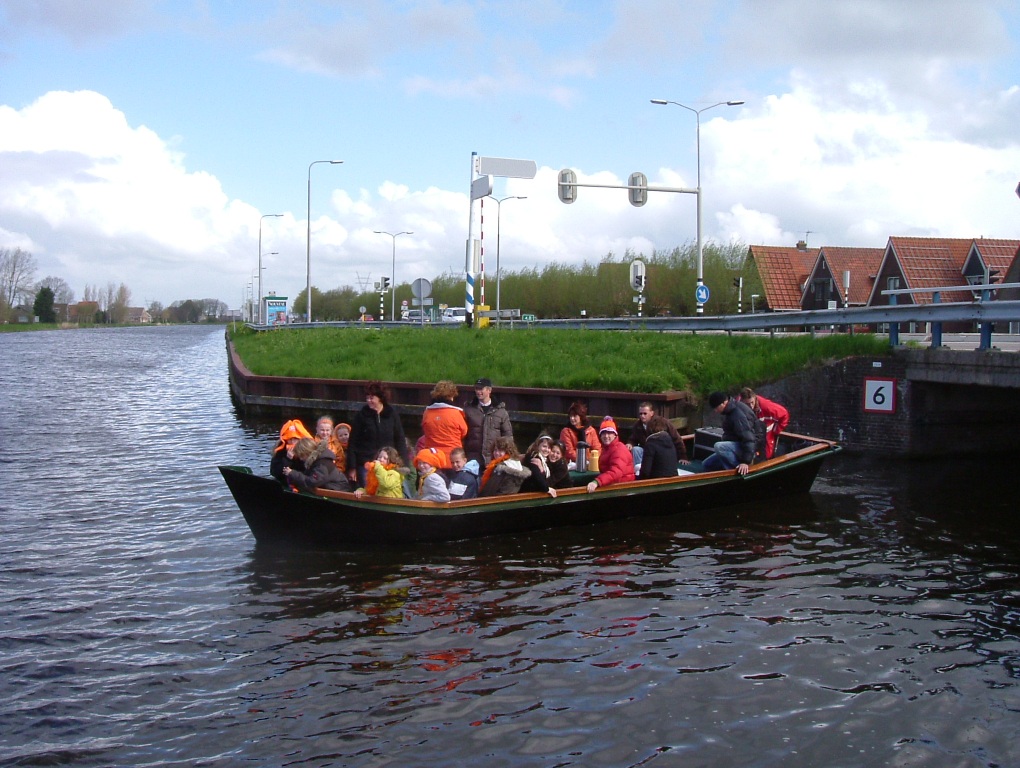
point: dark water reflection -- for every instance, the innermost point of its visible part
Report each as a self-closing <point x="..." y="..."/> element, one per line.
<point x="874" y="622"/>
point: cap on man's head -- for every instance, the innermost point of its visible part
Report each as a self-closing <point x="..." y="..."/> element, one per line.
<point x="483" y="382"/>
<point x="717" y="398"/>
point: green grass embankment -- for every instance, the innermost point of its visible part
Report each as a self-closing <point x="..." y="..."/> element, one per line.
<point x="587" y="360"/>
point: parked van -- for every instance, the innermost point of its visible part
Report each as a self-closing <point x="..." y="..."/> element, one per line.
<point x="455" y="315"/>
<point x="415" y="316"/>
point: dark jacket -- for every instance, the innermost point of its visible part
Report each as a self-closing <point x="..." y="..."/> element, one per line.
<point x="741" y="426"/>
<point x="484" y="426"/>
<point x="660" y="457"/>
<point x="640" y="433"/>
<point x="467" y="479"/>
<point x="279" y="461"/>
<point x="538" y="481"/>
<point x="559" y="475"/>
<point x="371" y="431"/>
<point x="319" y="471"/>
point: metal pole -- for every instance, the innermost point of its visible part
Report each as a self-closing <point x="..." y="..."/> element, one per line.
<point x="265" y="215"/>
<point x="393" y="275"/>
<point x="499" y="230"/>
<point x="697" y="114"/>
<point x="308" y="238"/>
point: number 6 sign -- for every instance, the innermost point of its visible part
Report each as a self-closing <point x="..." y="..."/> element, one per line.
<point x="879" y="395"/>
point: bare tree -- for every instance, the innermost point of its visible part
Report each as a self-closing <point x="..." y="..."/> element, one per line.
<point x="17" y="275"/>
<point x="62" y="292"/>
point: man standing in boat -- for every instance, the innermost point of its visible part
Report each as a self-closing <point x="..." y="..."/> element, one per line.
<point x="486" y="421"/>
<point x="739" y="442"/>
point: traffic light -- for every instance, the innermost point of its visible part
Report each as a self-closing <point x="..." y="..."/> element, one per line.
<point x="385" y="283"/>
<point x="638" y="282"/>
<point x="738" y="283"/>
<point x="567" y="186"/>
<point x="638" y="189"/>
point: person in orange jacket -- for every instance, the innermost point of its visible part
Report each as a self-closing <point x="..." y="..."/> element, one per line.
<point x="443" y="425"/>
<point x="283" y="453"/>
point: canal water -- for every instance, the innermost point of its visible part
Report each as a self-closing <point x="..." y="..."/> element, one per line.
<point x="875" y="621"/>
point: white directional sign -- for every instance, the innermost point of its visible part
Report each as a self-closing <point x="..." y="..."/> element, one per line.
<point x="481" y="187"/>
<point x="507" y="167"/>
<point x="701" y="294"/>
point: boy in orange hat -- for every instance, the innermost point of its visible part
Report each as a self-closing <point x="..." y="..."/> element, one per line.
<point x="431" y="484"/>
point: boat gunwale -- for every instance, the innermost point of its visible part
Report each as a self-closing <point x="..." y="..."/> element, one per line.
<point x="417" y="507"/>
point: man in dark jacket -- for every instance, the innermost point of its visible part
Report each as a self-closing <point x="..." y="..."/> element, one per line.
<point x="486" y="421"/>
<point x="640" y="431"/>
<point x="740" y="435"/>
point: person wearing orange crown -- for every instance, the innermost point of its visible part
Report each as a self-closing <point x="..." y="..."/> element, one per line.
<point x="283" y="453"/>
<point x="616" y="465"/>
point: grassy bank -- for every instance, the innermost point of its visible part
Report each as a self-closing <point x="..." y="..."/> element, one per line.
<point x="591" y="360"/>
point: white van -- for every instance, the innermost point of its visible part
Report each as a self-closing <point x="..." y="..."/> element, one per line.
<point x="455" y="315"/>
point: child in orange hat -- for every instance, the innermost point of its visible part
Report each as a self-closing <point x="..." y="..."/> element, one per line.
<point x="431" y="484"/>
<point x="283" y="452"/>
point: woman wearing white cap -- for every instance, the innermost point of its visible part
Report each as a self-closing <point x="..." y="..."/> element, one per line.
<point x="615" y="462"/>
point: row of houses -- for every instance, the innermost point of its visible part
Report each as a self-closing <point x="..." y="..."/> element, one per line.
<point x="834" y="277"/>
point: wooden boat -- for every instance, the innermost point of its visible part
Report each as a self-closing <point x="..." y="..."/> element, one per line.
<point x="335" y="520"/>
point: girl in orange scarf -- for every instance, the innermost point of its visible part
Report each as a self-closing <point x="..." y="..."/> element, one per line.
<point x="504" y="474"/>
<point x="385" y="475"/>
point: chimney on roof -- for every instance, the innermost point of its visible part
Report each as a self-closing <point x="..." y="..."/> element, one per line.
<point x="802" y="245"/>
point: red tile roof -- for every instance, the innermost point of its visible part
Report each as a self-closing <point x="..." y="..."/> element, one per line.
<point x="931" y="262"/>
<point x="997" y="255"/>
<point x="783" y="272"/>
<point x="863" y="264"/>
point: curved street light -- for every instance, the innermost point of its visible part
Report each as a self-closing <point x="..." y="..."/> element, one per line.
<point x="697" y="114"/>
<point x="393" y="272"/>
<point x="499" y="229"/>
<point x="264" y="216"/>
<point x="308" y="237"/>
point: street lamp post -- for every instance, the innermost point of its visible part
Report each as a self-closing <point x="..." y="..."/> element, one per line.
<point x="697" y="115"/>
<point x="264" y="216"/>
<point x="308" y="237"/>
<point x="499" y="229"/>
<point x="393" y="272"/>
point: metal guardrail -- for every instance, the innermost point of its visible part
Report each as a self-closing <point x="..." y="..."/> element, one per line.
<point x="984" y="313"/>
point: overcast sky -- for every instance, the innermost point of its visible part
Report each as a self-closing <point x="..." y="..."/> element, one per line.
<point x="142" y="141"/>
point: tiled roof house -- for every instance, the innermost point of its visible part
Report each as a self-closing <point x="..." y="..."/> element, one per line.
<point x="1011" y="275"/>
<point x="783" y="272"/>
<point x="826" y="282"/>
<point x="921" y="262"/>
<point x="991" y="255"/>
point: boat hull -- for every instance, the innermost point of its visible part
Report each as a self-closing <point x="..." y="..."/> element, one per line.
<point x="330" y="520"/>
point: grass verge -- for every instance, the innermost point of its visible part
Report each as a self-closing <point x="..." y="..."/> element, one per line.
<point x="546" y="358"/>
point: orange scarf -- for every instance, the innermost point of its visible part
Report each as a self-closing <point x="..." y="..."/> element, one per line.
<point x="372" y="482"/>
<point x="338" y="451"/>
<point x="491" y="466"/>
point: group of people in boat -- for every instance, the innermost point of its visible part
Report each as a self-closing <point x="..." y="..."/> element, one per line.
<point x="468" y="450"/>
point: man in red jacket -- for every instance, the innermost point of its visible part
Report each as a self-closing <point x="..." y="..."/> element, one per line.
<point x="774" y="416"/>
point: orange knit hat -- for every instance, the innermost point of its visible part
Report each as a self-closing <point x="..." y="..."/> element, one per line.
<point x="433" y="457"/>
<point x="608" y="425"/>
<point x="293" y="430"/>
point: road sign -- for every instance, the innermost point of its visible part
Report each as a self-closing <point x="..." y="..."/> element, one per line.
<point x="421" y="288"/>
<point x="481" y="187"/>
<point x="701" y="294"/>
<point x="507" y="167"/>
<point x="637" y="275"/>
<point x="879" y="395"/>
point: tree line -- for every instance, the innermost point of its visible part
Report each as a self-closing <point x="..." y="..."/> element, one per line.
<point x="557" y="290"/>
<point x="52" y="300"/>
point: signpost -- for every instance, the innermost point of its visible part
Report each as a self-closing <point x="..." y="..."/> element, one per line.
<point x="701" y="294"/>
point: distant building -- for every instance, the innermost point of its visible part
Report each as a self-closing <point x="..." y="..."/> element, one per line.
<point x="783" y="272"/>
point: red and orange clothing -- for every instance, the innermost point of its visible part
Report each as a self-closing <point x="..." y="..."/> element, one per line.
<point x="443" y="426"/>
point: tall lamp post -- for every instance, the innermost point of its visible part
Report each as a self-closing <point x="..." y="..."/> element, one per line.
<point x="499" y="229"/>
<point x="697" y="115"/>
<point x="308" y="237"/>
<point x="393" y="271"/>
<point x="264" y="216"/>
